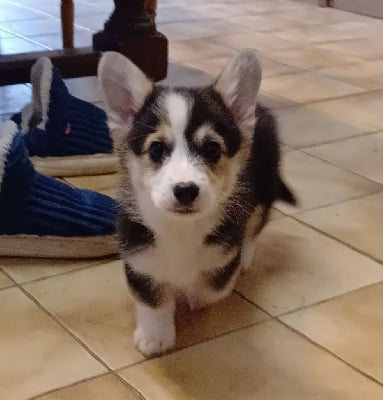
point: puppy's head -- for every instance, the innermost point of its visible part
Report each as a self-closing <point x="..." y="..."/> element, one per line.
<point x="182" y="148"/>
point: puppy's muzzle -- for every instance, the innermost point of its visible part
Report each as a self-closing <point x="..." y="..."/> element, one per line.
<point x="186" y="193"/>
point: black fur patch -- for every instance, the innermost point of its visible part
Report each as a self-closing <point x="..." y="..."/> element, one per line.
<point x="222" y="276"/>
<point x="208" y="107"/>
<point x="146" y="122"/>
<point x="143" y="287"/>
<point x="227" y="234"/>
<point x="133" y="236"/>
<point x="257" y="185"/>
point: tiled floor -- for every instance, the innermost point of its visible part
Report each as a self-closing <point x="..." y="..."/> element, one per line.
<point x="307" y="321"/>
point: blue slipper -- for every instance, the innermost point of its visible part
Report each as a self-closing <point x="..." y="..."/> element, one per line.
<point x="43" y="217"/>
<point x="65" y="136"/>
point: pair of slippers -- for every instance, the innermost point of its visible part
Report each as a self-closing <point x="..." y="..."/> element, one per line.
<point x="55" y="135"/>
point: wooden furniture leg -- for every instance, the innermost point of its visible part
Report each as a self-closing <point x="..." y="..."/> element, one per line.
<point x="151" y="7"/>
<point x="131" y="30"/>
<point x="67" y="23"/>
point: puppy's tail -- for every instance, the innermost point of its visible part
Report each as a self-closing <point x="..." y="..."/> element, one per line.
<point x="285" y="194"/>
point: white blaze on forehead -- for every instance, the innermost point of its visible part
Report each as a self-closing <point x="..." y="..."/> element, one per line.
<point x="178" y="112"/>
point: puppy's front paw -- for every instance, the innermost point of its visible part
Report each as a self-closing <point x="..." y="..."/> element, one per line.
<point x="152" y="344"/>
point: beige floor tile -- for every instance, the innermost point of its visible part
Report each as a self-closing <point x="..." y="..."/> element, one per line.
<point x="362" y="111"/>
<point x="284" y="149"/>
<point x="219" y="10"/>
<point x="212" y="66"/>
<point x="311" y="57"/>
<point x="296" y="266"/>
<point x="13" y="98"/>
<point x="106" y="387"/>
<point x="97" y="183"/>
<point x="264" y="362"/>
<point x="327" y="33"/>
<point x="363" y="155"/>
<point x="82" y="38"/>
<point x="4" y="281"/>
<point x="368" y="75"/>
<point x="265" y="7"/>
<point x="274" y="102"/>
<point x="36" y="354"/>
<point x="275" y="214"/>
<point x="265" y="23"/>
<point x="227" y="315"/>
<point x="197" y="49"/>
<point x="28" y="269"/>
<point x="177" y="13"/>
<point x="307" y="86"/>
<point x="105" y="310"/>
<point x="198" y="29"/>
<point x="303" y="126"/>
<point x="95" y="304"/>
<point x="366" y="48"/>
<point x="253" y="40"/>
<point x="113" y="193"/>
<point x="85" y="88"/>
<point x="358" y="223"/>
<point x="272" y="68"/>
<point x="350" y="326"/>
<point x="317" y="183"/>
<point x="322" y="16"/>
<point x="185" y="76"/>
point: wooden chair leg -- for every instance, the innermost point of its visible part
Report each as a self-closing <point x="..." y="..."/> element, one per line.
<point x="151" y="7"/>
<point x="67" y="23"/>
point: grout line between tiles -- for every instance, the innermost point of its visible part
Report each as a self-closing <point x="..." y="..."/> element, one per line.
<point x="363" y="253"/>
<point x="26" y="38"/>
<point x="313" y="102"/>
<point x="99" y="359"/>
<point x="43" y="278"/>
<point x="76" y="338"/>
<point x="130" y="387"/>
<point x="316" y="70"/>
<point x="318" y="345"/>
<point x="329" y="299"/>
<point x="338" y="140"/>
<point x="341" y="167"/>
<point x="76" y="25"/>
<point x="206" y="340"/>
<point x="358" y="197"/>
<point x="7" y="286"/>
<point x="36" y="10"/>
<point x="243" y="297"/>
<point x="328" y="351"/>
<point x="36" y="397"/>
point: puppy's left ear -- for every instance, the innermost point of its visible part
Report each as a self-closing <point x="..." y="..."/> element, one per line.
<point x="239" y="84"/>
<point x="125" y="88"/>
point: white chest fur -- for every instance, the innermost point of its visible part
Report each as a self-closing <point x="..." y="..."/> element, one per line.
<point x="179" y="254"/>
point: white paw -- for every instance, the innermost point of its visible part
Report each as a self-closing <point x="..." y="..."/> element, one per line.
<point x="246" y="267"/>
<point x="247" y="259"/>
<point x="195" y="303"/>
<point x="153" y="344"/>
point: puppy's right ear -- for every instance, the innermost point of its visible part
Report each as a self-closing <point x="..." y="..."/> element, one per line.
<point x="125" y="88"/>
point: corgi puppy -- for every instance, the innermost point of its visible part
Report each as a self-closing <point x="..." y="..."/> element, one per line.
<point x="200" y="172"/>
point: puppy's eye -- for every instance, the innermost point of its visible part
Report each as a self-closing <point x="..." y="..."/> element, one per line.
<point x="211" y="151"/>
<point x="157" y="151"/>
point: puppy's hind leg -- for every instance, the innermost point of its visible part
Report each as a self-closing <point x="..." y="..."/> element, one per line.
<point x="248" y="254"/>
<point x="215" y="284"/>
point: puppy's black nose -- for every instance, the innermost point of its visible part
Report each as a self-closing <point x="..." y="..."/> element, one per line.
<point x="186" y="192"/>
